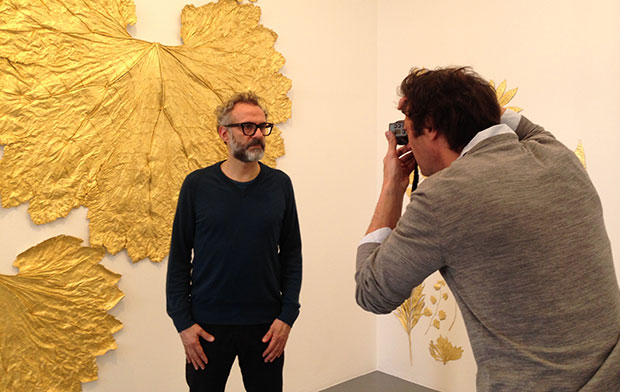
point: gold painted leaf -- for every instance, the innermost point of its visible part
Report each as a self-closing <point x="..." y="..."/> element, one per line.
<point x="436" y="323"/>
<point x="503" y="96"/>
<point x="433" y="299"/>
<point x="507" y="97"/>
<point x="90" y="116"/>
<point x="445" y="296"/>
<point x="444" y="351"/>
<point x="54" y="317"/>
<point x="581" y="154"/>
<point x="410" y="311"/>
<point x="428" y="312"/>
<point x="442" y="315"/>
<point x="499" y="91"/>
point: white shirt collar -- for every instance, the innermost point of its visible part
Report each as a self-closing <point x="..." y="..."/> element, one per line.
<point x="495" y="130"/>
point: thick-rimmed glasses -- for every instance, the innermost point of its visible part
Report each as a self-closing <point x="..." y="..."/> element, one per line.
<point x="249" y="128"/>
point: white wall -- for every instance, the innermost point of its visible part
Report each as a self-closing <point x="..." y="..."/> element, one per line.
<point x="330" y="48"/>
<point x="564" y="58"/>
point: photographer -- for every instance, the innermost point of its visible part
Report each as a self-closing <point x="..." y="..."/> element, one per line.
<point x="511" y="220"/>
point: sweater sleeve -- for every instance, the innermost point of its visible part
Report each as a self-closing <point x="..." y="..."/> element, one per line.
<point x="526" y="131"/>
<point x="290" y="260"/>
<point x="387" y="272"/>
<point x="178" y="288"/>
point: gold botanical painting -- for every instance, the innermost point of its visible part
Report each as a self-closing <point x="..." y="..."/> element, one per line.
<point x="90" y="116"/>
<point x="444" y="351"/>
<point x="409" y="313"/>
<point x="416" y="306"/>
<point x="55" y="317"/>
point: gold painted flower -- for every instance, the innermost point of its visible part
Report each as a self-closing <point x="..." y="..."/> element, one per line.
<point x="90" y="116"/>
<point x="444" y="351"/>
<point x="55" y="317"/>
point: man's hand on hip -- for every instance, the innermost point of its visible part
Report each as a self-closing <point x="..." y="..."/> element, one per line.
<point x="277" y="337"/>
<point x="191" y="343"/>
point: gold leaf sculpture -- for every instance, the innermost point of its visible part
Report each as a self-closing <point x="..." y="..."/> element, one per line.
<point x="504" y="97"/>
<point x="90" y="116"/>
<point x="409" y="313"/>
<point x="444" y="351"/>
<point x="54" y="317"/>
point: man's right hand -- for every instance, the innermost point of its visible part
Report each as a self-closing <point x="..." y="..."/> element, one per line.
<point x="398" y="164"/>
<point x="191" y="342"/>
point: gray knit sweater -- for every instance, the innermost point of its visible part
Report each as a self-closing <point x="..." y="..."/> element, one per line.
<point x="515" y="227"/>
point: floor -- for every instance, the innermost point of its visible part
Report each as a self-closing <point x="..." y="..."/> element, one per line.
<point x="377" y="382"/>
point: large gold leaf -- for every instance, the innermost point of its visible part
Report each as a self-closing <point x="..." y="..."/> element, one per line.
<point x="92" y="117"/>
<point x="54" y="317"/>
<point x="444" y="351"/>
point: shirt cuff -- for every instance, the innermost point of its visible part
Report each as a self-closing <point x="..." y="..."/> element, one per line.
<point x="511" y="119"/>
<point x="377" y="236"/>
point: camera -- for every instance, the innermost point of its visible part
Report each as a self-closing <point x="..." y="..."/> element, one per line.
<point x="398" y="129"/>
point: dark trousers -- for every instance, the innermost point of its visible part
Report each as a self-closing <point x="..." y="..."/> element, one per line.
<point x="244" y="341"/>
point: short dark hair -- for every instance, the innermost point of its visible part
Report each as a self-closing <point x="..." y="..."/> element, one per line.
<point x="456" y="101"/>
<point x="224" y="109"/>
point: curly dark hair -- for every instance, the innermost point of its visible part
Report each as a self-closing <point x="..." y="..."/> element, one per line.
<point x="456" y="101"/>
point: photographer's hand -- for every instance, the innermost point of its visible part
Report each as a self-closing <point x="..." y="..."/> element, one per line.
<point x="397" y="166"/>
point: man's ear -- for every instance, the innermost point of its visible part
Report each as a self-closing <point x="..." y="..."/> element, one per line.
<point x="429" y="126"/>
<point x="224" y="134"/>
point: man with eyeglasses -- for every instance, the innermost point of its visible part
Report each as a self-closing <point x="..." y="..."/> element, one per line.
<point x="234" y="271"/>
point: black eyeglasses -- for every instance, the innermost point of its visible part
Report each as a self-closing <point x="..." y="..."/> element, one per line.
<point x="249" y="128"/>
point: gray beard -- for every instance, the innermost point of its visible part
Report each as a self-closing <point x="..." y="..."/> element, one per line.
<point x="242" y="153"/>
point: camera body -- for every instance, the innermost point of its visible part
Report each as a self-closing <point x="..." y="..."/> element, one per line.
<point x="398" y="129"/>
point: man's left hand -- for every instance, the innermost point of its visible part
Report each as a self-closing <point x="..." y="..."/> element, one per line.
<point x="277" y="337"/>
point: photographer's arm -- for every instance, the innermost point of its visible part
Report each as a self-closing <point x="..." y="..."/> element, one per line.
<point x="386" y="271"/>
<point x="397" y="166"/>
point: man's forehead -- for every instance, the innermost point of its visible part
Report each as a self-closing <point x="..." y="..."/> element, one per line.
<point x="246" y="109"/>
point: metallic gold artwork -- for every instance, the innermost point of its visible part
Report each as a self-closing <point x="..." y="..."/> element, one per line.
<point x="90" y="116"/>
<point x="409" y="313"/>
<point x="438" y="315"/>
<point x="55" y="317"/>
<point x="504" y="97"/>
<point x="444" y="351"/>
<point x="412" y="309"/>
<point x="581" y="154"/>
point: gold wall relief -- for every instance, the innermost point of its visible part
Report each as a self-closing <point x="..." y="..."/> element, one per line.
<point x="90" y="116"/>
<point x="55" y="317"/>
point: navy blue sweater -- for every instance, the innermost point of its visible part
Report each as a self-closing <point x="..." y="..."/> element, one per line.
<point x="246" y="266"/>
